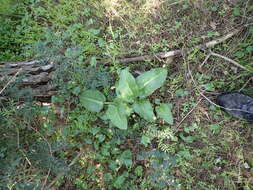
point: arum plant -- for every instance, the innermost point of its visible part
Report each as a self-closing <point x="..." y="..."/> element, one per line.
<point x="132" y="96"/>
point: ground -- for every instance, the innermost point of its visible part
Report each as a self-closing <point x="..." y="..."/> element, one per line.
<point x="204" y="148"/>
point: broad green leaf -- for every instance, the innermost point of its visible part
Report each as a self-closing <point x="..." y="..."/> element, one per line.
<point x="144" y="109"/>
<point x="117" y="117"/>
<point x="151" y="80"/>
<point x="145" y="140"/>
<point x="124" y="108"/>
<point x="127" y="88"/>
<point x="92" y="100"/>
<point x="164" y="112"/>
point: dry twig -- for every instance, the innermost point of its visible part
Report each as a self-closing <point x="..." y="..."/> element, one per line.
<point x="202" y="94"/>
<point x="174" y="53"/>
<point x="45" y="181"/>
<point x="10" y="81"/>
<point x="207" y="57"/>
<point x="230" y="60"/>
<point x="177" y="127"/>
<point x="175" y="3"/>
<point x="246" y="83"/>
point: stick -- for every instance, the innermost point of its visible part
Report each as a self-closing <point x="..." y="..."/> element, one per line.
<point x="207" y="57"/>
<point x="173" y="53"/>
<point x="202" y="94"/>
<point x="157" y="55"/>
<point x="230" y="60"/>
<point x="194" y="107"/>
<point x="179" y="52"/>
<point x="219" y="40"/>
<point x="45" y="181"/>
<point x="245" y="84"/>
<point x="10" y="81"/>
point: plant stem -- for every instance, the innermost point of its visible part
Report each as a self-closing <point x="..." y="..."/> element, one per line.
<point x="108" y="103"/>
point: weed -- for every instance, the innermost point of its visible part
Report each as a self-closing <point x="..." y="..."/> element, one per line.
<point x="198" y="148"/>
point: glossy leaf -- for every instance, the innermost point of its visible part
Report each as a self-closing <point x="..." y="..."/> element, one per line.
<point x="92" y="100"/>
<point x="151" y="80"/>
<point x="164" y="112"/>
<point x="124" y="108"/>
<point x="145" y="140"/>
<point x="127" y="88"/>
<point x="144" y="109"/>
<point x="116" y="116"/>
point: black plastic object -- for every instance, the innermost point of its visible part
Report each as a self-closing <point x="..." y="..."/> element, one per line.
<point x="237" y="104"/>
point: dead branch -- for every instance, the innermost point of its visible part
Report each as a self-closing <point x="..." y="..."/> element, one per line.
<point x="39" y="77"/>
<point x="179" y="52"/>
<point x="230" y="60"/>
<point x="10" y="81"/>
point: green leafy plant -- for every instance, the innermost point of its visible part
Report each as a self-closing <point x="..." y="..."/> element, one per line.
<point x="131" y="96"/>
<point x="162" y="165"/>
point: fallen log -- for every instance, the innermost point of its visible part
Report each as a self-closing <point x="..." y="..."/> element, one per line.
<point x="34" y="75"/>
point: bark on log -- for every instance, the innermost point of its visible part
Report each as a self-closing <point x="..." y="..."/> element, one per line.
<point x="37" y="77"/>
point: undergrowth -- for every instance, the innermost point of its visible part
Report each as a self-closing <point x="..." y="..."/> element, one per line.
<point x="68" y="144"/>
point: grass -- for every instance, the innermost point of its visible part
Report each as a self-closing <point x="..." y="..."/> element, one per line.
<point x="204" y="148"/>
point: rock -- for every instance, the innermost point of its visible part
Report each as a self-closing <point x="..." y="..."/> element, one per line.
<point x="237" y="104"/>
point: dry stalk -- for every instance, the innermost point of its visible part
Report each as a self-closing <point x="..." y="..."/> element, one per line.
<point x="179" y="52"/>
<point x="230" y="60"/>
<point x="10" y="81"/>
